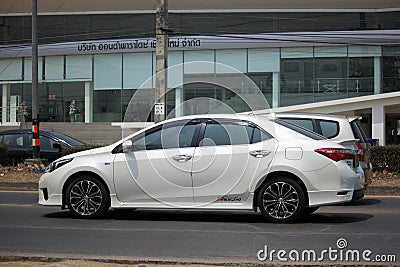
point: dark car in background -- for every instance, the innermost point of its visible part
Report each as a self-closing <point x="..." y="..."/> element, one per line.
<point x="19" y="142"/>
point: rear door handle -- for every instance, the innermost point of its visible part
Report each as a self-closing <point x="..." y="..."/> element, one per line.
<point x="182" y="158"/>
<point x="260" y="153"/>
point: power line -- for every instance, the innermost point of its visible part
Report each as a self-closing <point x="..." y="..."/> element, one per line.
<point x="126" y="33"/>
<point x="22" y="22"/>
<point x="218" y="28"/>
<point x="281" y="37"/>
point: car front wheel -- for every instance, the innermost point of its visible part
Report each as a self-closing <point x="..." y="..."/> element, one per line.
<point x="87" y="197"/>
<point x="281" y="199"/>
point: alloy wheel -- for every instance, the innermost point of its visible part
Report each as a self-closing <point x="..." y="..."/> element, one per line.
<point x="280" y="200"/>
<point x="85" y="197"/>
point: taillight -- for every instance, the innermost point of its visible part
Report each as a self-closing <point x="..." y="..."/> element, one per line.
<point x="336" y="154"/>
<point x="360" y="152"/>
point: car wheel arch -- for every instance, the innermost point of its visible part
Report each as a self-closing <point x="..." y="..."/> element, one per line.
<point x="278" y="174"/>
<point x="74" y="176"/>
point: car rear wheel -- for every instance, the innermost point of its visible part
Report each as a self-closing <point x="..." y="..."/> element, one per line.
<point x="281" y="199"/>
<point x="87" y="197"/>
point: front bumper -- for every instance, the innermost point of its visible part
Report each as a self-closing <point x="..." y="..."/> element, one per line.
<point x="48" y="195"/>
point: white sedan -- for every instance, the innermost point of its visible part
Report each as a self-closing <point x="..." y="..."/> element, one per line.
<point x="241" y="162"/>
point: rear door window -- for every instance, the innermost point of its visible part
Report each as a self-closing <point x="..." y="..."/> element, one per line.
<point x="259" y="136"/>
<point x="226" y="133"/>
<point x="305" y="123"/>
<point x="300" y="130"/>
<point x="14" y="140"/>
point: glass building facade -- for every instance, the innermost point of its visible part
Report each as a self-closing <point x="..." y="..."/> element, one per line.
<point x="302" y="58"/>
<point x="72" y="28"/>
<point x="286" y="76"/>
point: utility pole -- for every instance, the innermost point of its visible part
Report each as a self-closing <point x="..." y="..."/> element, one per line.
<point x="35" y="109"/>
<point x="161" y="59"/>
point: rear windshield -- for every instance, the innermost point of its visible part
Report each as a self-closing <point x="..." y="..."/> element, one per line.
<point x="300" y="130"/>
<point x="358" y="131"/>
<point x="329" y="129"/>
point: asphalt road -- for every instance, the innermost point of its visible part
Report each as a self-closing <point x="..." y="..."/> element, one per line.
<point x="27" y="229"/>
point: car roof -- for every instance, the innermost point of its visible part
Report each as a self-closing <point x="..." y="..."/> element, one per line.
<point x="48" y="133"/>
<point x="261" y="120"/>
<point x="217" y="116"/>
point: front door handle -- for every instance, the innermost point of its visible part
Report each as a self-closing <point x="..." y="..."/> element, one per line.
<point x="182" y="158"/>
<point x="260" y="153"/>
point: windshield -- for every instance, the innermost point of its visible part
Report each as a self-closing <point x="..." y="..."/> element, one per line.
<point x="358" y="132"/>
<point x="71" y="141"/>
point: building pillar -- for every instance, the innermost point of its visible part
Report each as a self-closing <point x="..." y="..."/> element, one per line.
<point x="14" y="103"/>
<point x="377" y="75"/>
<point x="88" y="102"/>
<point x="178" y="101"/>
<point x="378" y="123"/>
<point x="4" y="103"/>
<point x="276" y="93"/>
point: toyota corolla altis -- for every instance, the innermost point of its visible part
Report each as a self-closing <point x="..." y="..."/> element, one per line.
<point x="225" y="162"/>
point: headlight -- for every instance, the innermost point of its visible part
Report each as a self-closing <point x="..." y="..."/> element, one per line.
<point x="57" y="164"/>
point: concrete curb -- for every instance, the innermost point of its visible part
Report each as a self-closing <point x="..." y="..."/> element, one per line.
<point x="383" y="191"/>
<point x="19" y="186"/>
<point x="57" y="261"/>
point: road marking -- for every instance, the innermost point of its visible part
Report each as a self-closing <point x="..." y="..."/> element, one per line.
<point x="16" y="191"/>
<point x="15" y="205"/>
<point x="372" y="196"/>
<point x="296" y="233"/>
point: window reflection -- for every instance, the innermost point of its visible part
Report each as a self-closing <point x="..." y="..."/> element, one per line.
<point x="308" y="80"/>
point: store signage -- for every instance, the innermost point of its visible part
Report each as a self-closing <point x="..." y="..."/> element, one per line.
<point x="294" y="39"/>
<point x="159" y="109"/>
<point x="127" y="45"/>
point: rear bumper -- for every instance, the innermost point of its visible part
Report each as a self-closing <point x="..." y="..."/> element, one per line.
<point x="358" y="194"/>
<point x="360" y="182"/>
<point x="332" y="184"/>
<point x="328" y="197"/>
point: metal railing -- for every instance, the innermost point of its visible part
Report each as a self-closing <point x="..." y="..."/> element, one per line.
<point x="10" y="115"/>
<point x="329" y="85"/>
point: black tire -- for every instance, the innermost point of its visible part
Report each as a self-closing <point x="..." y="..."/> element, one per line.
<point x="311" y="210"/>
<point x="281" y="199"/>
<point x="87" y="197"/>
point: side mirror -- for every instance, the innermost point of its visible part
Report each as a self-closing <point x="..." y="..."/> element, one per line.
<point x="127" y="146"/>
<point x="57" y="145"/>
